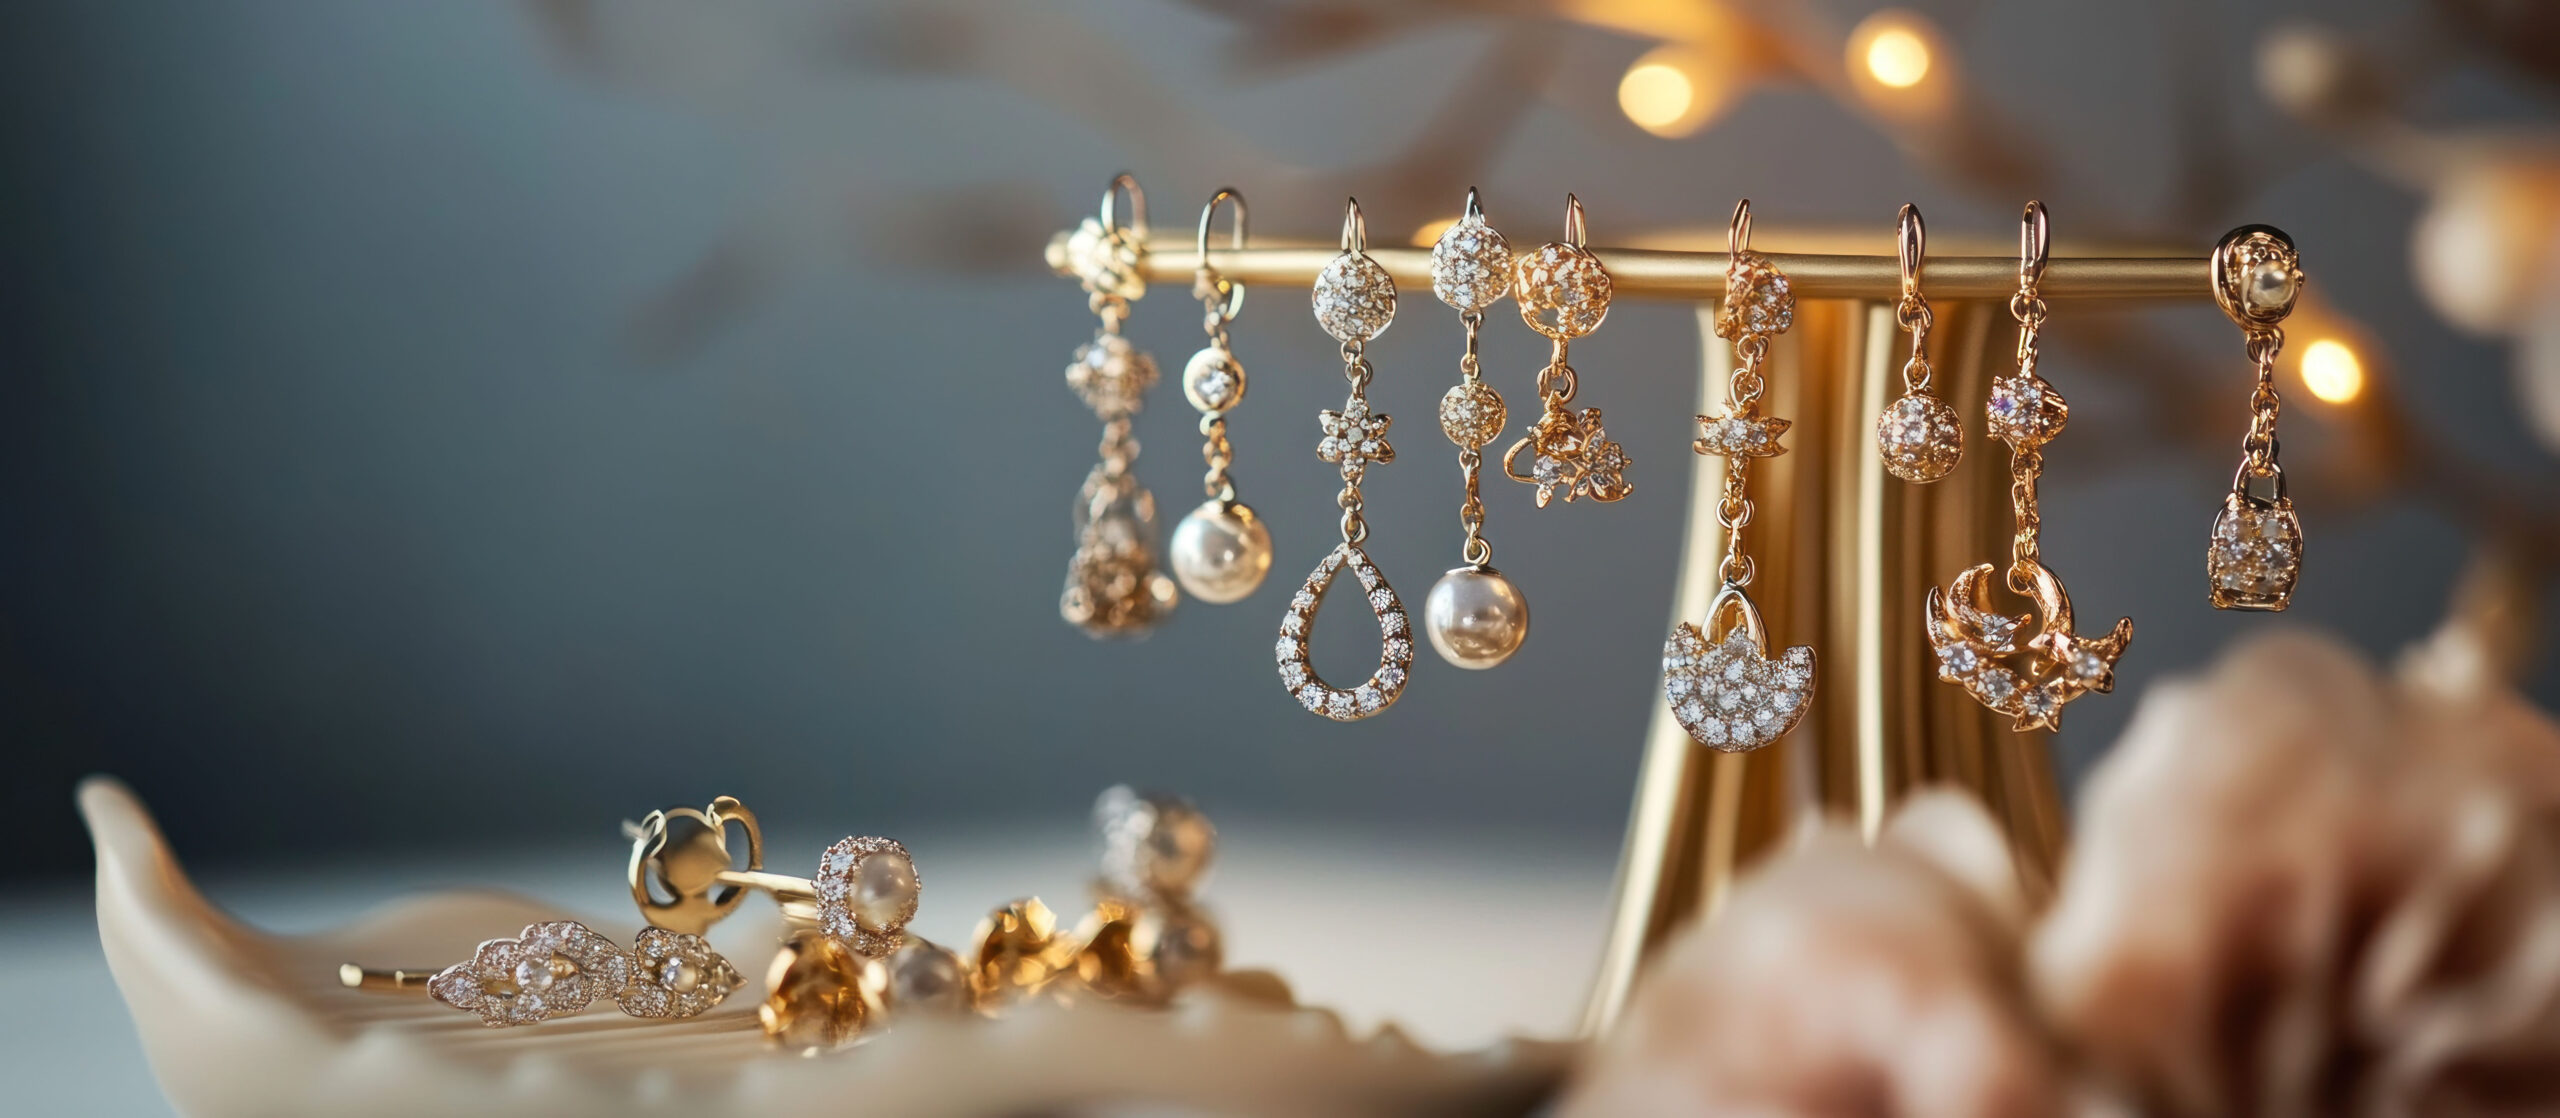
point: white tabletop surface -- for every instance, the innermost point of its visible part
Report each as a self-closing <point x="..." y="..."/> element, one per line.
<point x="1458" y="940"/>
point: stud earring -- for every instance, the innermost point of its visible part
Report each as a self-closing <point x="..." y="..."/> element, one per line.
<point x="1969" y="639"/>
<point x="1563" y="293"/>
<point x="1355" y="301"/>
<point x="1222" y="550"/>
<point x="1113" y="586"/>
<point x="2256" y="552"/>
<point x="864" y="893"/>
<point x="1724" y="689"/>
<point x="1918" y="435"/>
<point x="1146" y="937"/>
<point x="1475" y="617"/>
<point x="561" y="967"/>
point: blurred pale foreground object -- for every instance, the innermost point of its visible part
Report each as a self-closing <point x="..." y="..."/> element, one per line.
<point x="236" y="1021"/>
<point x="2298" y="887"/>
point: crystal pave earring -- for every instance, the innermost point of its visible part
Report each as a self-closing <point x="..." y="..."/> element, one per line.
<point x="1918" y="435"/>
<point x="1724" y="689"/>
<point x="1475" y="617"/>
<point x="1113" y="587"/>
<point x="1222" y="549"/>
<point x="1355" y="299"/>
<point x="2030" y="678"/>
<point x="1569" y="453"/>
<point x="2256" y="553"/>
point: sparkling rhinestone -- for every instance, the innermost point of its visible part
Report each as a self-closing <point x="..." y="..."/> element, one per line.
<point x="1957" y="659"/>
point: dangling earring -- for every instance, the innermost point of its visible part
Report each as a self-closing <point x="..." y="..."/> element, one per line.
<point x="1476" y="618"/>
<point x="1113" y="587"/>
<point x="2256" y="553"/>
<point x="1725" y="690"/>
<point x="1571" y="453"/>
<point x="1918" y="435"/>
<point x="1355" y="299"/>
<point x="1222" y="549"/>
<point x="2059" y="666"/>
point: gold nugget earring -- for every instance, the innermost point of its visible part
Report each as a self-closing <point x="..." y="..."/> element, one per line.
<point x="1970" y="640"/>
<point x="1918" y="435"/>
<point x="2256" y="553"/>
<point x="1222" y="549"/>
<point x="1724" y="689"/>
<point x="558" y="968"/>
<point x="1355" y="300"/>
<point x="1113" y="586"/>
<point x="1564" y="294"/>
<point x="1475" y="617"/>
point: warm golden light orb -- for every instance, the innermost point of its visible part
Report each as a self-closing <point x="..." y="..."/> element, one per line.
<point x="1674" y="90"/>
<point x="1898" y="57"/>
<point x="2332" y="372"/>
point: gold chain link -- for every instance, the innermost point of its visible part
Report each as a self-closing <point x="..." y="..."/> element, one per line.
<point x="1477" y="552"/>
<point x="1355" y="369"/>
<point x="2260" y="445"/>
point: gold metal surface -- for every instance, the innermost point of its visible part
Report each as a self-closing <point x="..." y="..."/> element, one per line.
<point x="1699" y="276"/>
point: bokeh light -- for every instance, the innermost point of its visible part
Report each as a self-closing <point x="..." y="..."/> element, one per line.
<point x="1898" y="57"/>
<point x="1674" y="90"/>
<point x="2332" y="371"/>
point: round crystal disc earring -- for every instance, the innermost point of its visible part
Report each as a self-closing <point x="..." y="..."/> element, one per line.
<point x="1563" y="293"/>
<point x="1222" y="550"/>
<point x="2256" y="553"/>
<point x="1355" y="300"/>
<point x="1918" y="436"/>
<point x="1475" y="617"/>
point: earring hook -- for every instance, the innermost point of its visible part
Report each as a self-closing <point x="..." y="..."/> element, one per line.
<point x="1235" y="240"/>
<point x="1911" y="249"/>
<point x="1137" y="203"/>
<point x="1737" y="235"/>
<point x="1474" y="208"/>
<point x="1575" y="231"/>
<point x="2035" y="244"/>
<point x="1355" y="228"/>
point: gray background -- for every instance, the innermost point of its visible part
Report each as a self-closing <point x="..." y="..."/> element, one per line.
<point x="472" y="423"/>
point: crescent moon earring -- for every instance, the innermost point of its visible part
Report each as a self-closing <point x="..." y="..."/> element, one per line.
<point x="1222" y="550"/>
<point x="2256" y="553"/>
<point x="1564" y="294"/>
<point x="1475" y="617"/>
<point x="2029" y="678"/>
<point x="1718" y="675"/>
<point x="1113" y="586"/>
<point x="1918" y="436"/>
<point x="1355" y="300"/>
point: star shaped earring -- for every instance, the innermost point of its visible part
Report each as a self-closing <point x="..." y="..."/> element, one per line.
<point x="1353" y="437"/>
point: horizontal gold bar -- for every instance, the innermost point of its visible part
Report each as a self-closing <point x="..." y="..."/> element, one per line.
<point x="354" y="977"/>
<point x="1699" y="276"/>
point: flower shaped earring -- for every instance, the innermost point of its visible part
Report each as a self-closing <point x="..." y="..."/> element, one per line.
<point x="1564" y="294"/>
<point x="561" y="967"/>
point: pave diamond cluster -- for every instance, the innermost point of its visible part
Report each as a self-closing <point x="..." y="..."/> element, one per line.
<point x="2255" y="554"/>
<point x="1730" y="696"/>
<point x="558" y="968"/>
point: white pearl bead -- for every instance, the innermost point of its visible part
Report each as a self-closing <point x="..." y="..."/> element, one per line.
<point x="1221" y="551"/>
<point x="884" y="890"/>
<point x="1475" y="617"/>
<point x="2270" y="285"/>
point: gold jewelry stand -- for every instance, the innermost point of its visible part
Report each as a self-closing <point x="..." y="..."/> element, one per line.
<point x="1846" y="553"/>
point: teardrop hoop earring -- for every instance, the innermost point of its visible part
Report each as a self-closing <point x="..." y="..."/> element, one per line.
<point x="1222" y="549"/>
<point x="1918" y="436"/>
<point x="1113" y="587"/>
<point x="1563" y="291"/>
<point x="1725" y="689"/>
<point x="1475" y="617"/>
<point x="2255" y="555"/>
<point x="1355" y="300"/>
